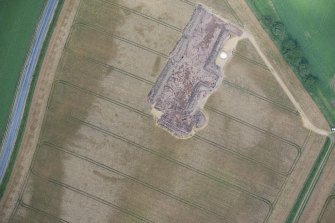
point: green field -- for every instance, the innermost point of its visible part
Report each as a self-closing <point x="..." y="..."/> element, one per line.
<point x="18" y="19"/>
<point x="310" y="23"/>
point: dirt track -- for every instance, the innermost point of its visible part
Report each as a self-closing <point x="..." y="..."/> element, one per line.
<point x="293" y="87"/>
<point x="307" y="123"/>
<point x="311" y="116"/>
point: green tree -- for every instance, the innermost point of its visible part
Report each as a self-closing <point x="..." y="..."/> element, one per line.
<point x="268" y="20"/>
<point x="278" y="30"/>
<point x="288" y="44"/>
<point x="310" y="82"/>
<point x="304" y="68"/>
<point x="294" y="57"/>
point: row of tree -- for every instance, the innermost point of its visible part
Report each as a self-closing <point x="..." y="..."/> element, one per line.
<point x="292" y="52"/>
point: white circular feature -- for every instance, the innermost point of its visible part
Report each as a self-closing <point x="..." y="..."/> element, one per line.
<point x="223" y="55"/>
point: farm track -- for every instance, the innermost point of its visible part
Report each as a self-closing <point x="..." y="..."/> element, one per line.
<point x="149" y="116"/>
<point x="134" y="179"/>
<point x="261" y="65"/>
<point x="22" y="204"/>
<point x="307" y="123"/>
<point x="93" y="197"/>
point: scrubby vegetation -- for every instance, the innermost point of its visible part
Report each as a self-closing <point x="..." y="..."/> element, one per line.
<point x="303" y="32"/>
<point x="292" y="52"/>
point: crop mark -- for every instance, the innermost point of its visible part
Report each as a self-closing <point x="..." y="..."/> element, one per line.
<point x="254" y="62"/>
<point x="232" y="11"/>
<point x="110" y="34"/>
<point x="202" y="139"/>
<point x="253" y="127"/>
<point x="93" y="197"/>
<point x="142" y="15"/>
<point x="163" y="156"/>
<point x="165" y="56"/>
<point x="143" y="114"/>
<point x="284" y="107"/>
<point x="131" y="178"/>
<point x="189" y="2"/>
<point x="286" y="180"/>
<point x="213" y="109"/>
<point x="152" y="151"/>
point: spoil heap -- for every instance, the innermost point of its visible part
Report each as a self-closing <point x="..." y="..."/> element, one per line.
<point x="190" y="75"/>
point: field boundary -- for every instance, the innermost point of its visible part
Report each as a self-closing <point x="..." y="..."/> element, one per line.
<point x="88" y="195"/>
<point x="310" y="182"/>
<point x="24" y="205"/>
<point x="329" y="199"/>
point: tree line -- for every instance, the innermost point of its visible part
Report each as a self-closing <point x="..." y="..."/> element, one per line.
<point x="292" y="52"/>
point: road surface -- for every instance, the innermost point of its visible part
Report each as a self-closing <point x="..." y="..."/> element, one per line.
<point x="22" y="91"/>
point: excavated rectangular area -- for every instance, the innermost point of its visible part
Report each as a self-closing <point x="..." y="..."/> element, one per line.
<point x="191" y="74"/>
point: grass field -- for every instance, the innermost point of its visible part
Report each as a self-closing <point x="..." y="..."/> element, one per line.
<point x="311" y="24"/>
<point x="101" y="158"/>
<point x="17" y="21"/>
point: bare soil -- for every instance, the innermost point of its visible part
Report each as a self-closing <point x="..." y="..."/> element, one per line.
<point x="191" y="74"/>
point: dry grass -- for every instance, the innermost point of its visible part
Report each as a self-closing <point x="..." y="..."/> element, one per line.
<point x="102" y="159"/>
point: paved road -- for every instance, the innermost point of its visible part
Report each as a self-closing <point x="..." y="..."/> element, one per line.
<point x="22" y="91"/>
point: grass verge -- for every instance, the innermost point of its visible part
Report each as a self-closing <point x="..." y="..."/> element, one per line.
<point x="18" y="20"/>
<point x="29" y="99"/>
<point x="310" y="182"/>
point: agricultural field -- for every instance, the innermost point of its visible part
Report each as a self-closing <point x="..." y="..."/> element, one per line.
<point x="327" y="214"/>
<point x="17" y="21"/>
<point x="311" y="24"/>
<point x="100" y="157"/>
